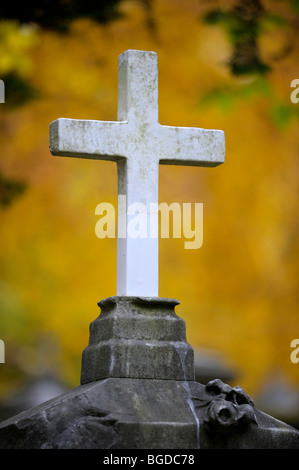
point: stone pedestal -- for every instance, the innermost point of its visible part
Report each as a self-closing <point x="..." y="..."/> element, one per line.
<point x="138" y="392"/>
<point x="139" y="338"/>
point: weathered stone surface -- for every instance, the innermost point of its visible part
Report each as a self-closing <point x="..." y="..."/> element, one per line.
<point x="144" y="410"/>
<point x="137" y="337"/>
<point x="147" y="414"/>
<point x="144" y="413"/>
<point x="147" y="398"/>
<point x="112" y="413"/>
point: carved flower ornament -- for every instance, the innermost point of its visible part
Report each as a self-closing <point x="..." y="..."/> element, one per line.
<point x="228" y="408"/>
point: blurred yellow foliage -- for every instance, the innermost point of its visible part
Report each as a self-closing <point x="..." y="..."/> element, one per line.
<point x="239" y="292"/>
<point x="15" y="42"/>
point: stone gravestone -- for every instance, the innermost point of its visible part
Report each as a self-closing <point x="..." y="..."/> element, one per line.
<point x="137" y="380"/>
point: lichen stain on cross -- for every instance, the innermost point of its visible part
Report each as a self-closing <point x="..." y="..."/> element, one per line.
<point x="138" y="143"/>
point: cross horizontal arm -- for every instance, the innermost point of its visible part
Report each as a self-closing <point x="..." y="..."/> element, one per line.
<point x="191" y="146"/>
<point x="88" y="139"/>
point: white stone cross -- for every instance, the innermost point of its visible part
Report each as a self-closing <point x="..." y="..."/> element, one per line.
<point x="138" y="143"/>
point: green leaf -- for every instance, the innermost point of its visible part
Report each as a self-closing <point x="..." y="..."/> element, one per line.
<point x="10" y="189"/>
<point x="295" y="5"/>
<point x="281" y="115"/>
<point x="215" y="17"/>
<point x="18" y="91"/>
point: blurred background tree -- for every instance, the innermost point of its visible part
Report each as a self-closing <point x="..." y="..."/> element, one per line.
<point x="57" y="15"/>
<point x="248" y="25"/>
<point x="222" y="64"/>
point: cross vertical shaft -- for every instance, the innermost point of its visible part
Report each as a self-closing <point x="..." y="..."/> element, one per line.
<point x="137" y="258"/>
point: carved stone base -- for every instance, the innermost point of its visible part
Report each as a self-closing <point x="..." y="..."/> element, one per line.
<point x="137" y="337"/>
<point x="138" y="392"/>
